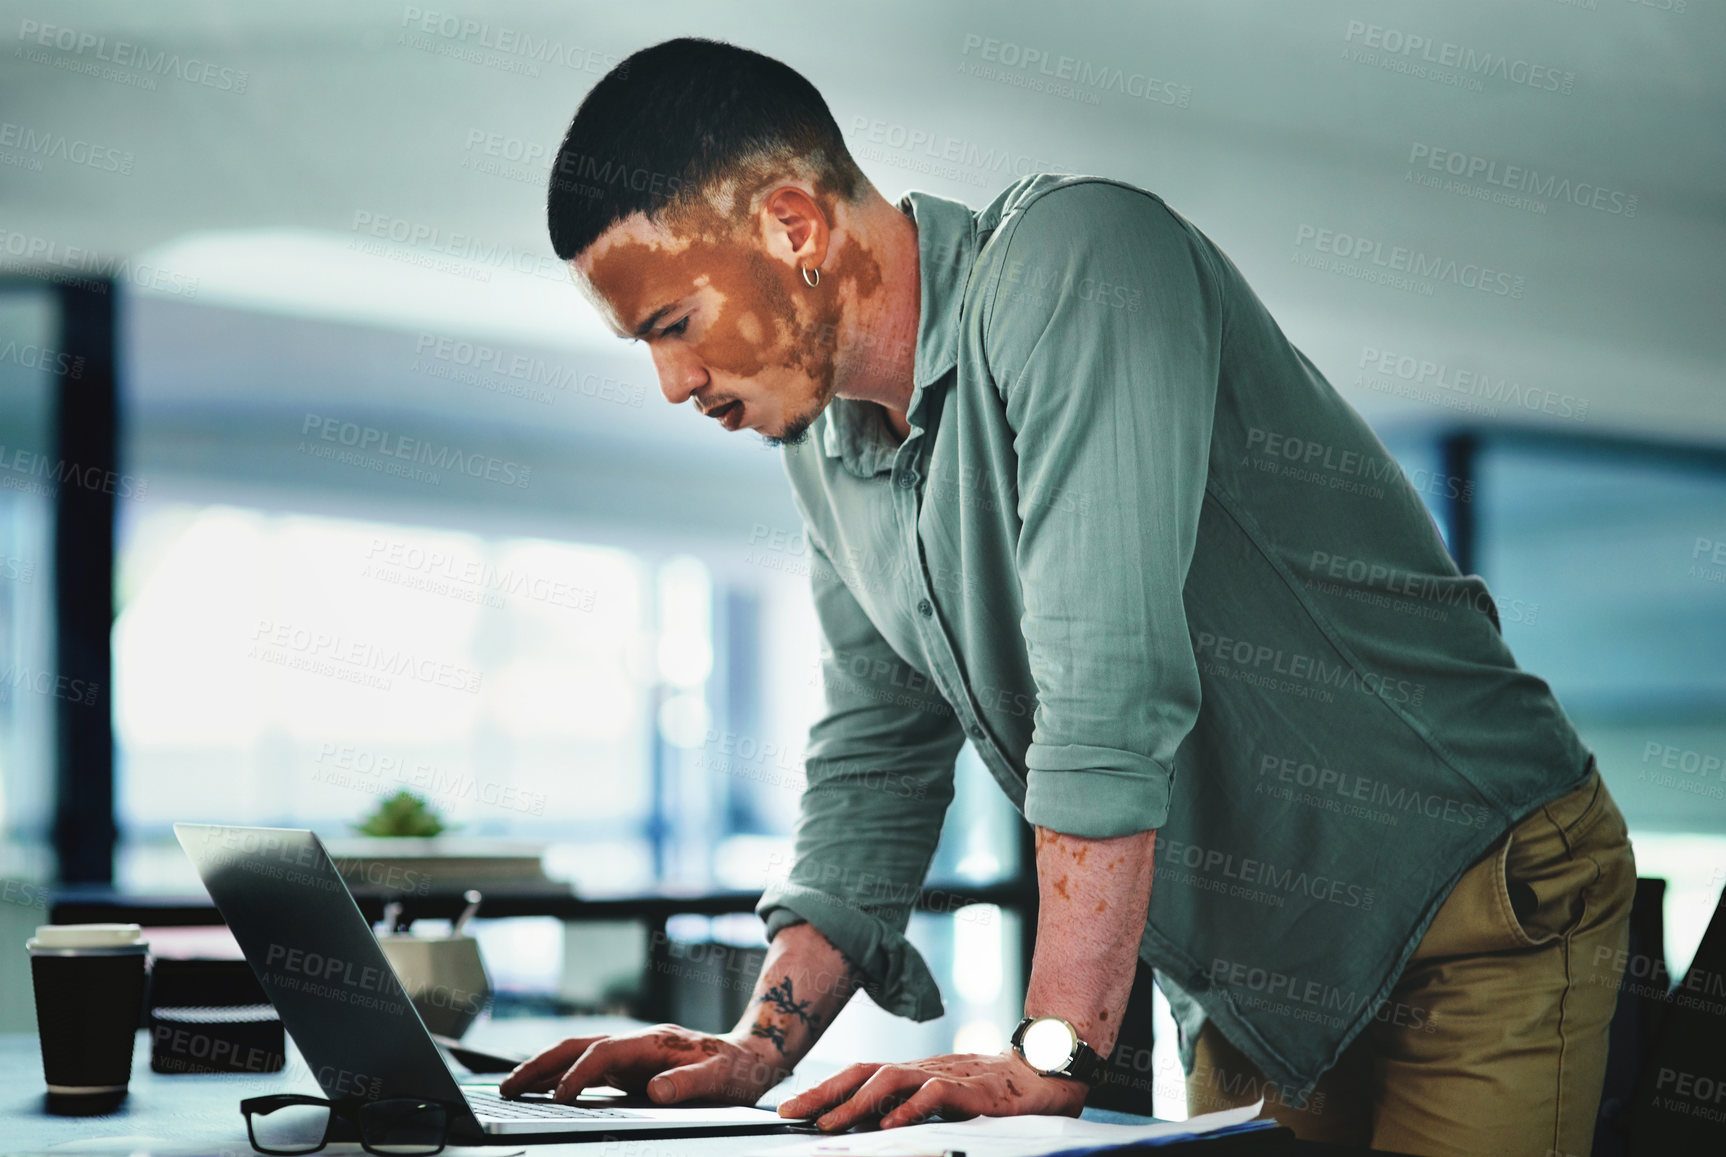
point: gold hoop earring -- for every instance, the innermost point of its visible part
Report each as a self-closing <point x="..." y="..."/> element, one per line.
<point x="811" y="282"/>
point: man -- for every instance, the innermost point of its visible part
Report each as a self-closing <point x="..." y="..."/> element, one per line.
<point x="1071" y="494"/>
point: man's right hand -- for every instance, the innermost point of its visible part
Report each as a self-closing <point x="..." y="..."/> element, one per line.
<point x="667" y="1062"/>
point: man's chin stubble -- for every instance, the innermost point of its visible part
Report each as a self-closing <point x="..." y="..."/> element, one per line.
<point x="796" y="431"/>
<point x="794" y="434"/>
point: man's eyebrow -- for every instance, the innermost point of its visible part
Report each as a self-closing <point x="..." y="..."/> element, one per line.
<point x="652" y="320"/>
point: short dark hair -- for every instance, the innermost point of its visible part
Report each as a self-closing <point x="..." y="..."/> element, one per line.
<point x="673" y="119"/>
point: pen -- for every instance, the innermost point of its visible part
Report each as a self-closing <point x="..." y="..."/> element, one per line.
<point x="472" y="897"/>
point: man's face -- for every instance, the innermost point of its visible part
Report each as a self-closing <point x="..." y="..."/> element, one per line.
<point x="722" y="305"/>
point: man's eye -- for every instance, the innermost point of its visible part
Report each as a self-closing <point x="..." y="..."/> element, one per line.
<point x="679" y="327"/>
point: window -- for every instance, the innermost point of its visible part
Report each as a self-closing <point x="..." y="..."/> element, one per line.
<point x="1610" y="575"/>
<point x="31" y="367"/>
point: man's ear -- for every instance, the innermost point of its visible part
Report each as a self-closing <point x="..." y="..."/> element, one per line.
<point x="795" y="228"/>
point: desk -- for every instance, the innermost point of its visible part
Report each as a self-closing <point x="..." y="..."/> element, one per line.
<point x="199" y="1114"/>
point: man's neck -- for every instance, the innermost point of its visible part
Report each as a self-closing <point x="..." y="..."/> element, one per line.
<point x="880" y="351"/>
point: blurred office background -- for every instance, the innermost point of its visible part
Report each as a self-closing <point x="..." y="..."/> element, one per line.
<point x="314" y="232"/>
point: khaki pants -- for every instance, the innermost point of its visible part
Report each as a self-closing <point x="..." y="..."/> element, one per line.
<point x="1508" y="997"/>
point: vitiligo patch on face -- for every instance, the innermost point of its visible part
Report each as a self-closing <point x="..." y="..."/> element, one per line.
<point x="754" y="314"/>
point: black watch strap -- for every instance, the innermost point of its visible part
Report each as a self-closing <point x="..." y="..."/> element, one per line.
<point x="1087" y="1066"/>
<point x="1084" y="1064"/>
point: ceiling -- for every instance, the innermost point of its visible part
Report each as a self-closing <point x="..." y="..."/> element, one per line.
<point x="355" y="115"/>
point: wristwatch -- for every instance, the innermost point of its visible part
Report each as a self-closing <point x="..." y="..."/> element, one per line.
<point x="1052" y="1047"/>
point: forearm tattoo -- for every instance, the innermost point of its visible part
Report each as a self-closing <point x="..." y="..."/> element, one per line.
<point x="771" y="1032"/>
<point x="781" y="999"/>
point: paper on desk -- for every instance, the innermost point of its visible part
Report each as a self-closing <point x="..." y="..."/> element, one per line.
<point x="1025" y="1136"/>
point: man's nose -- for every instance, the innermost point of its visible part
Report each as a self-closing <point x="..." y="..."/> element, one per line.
<point x="679" y="375"/>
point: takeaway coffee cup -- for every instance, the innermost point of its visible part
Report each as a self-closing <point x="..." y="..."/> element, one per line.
<point x="89" y="981"/>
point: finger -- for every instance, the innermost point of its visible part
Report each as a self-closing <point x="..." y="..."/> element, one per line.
<point x="823" y="1096"/>
<point x="539" y="1073"/>
<point x="951" y="1099"/>
<point x="714" y="1079"/>
<point x="610" y="1061"/>
<point x="890" y="1085"/>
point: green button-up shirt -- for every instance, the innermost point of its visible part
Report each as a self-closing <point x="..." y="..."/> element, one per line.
<point x="1160" y="574"/>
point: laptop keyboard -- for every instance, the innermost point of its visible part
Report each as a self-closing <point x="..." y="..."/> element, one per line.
<point x="489" y="1104"/>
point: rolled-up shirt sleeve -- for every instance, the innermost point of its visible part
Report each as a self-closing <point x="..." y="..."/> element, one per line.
<point x="1103" y="337"/>
<point x="878" y="779"/>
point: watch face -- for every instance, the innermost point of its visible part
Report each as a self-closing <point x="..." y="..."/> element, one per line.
<point x="1048" y="1043"/>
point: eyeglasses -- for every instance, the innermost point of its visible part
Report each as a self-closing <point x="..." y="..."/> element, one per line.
<point x="288" y="1123"/>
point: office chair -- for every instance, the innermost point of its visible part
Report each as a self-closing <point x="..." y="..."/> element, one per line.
<point x="1679" y="1106"/>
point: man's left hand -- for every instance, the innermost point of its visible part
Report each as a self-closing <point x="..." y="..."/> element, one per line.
<point x="955" y="1087"/>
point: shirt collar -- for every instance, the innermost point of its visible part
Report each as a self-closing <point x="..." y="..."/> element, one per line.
<point x="854" y="432"/>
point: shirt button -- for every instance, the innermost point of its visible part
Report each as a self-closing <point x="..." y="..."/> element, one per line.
<point x="908" y="479"/>
<point x="976" y="731"/>
<point x="924" y="608"/>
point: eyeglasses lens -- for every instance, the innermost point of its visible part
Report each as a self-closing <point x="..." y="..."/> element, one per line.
<point x="289" y="1128"/>
<point x="403" y="1127"/>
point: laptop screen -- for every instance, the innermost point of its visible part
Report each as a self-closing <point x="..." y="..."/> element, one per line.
<point x="316" y="957"/>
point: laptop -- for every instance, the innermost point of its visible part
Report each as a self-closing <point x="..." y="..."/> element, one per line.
<point x="316" y="957"/>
